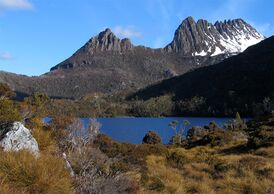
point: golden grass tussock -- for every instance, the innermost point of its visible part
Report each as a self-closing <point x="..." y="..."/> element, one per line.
<point x="21" y="172"/>
<point x="159" y="173"/>
<point x="43" y="135"/>
<point x="45" y="140"/>
<point x="267" y="152"/>
<point x="208" y="170"/>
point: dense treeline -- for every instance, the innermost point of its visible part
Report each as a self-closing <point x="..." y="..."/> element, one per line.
<point x="114" y="105"/>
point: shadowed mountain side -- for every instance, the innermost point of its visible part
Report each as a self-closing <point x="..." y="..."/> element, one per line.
<point x="237" y="82"/>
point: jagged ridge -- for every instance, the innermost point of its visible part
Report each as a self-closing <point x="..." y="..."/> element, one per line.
<point x="106" y="41"/>
<point x="203" y="38"/>
<point x="109" y="64"/>
<point x="190" y="39"/>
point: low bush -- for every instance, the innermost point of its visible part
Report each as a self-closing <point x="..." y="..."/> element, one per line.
<point x="95" y="172"/>
<point x="129" y="153"/>
<point x="261" y="136"/>
<point x="8" y="111"/>
<point x="152" y="138"/>
<point x="217" y="138"/>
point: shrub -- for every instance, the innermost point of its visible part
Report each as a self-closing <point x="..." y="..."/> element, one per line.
<point x="178" y="139"/>
<point x="152" y="138"/>
<point x="131" y="154"/>
<point x="262" y="136"/>
<point x="60" y="134"/>
<point x="36" y="104"/>
<point x="8" y="112"/>
<point x="96" y="173"/>
<point x="196" y="133"/>
<point x="6" y="92"/>
<point x="107" y="145"/>
<point x="261" y="131"/>
<point x="236" y="124"/>
<point x="195" y="136"/>
<point x="21" y="172"/>
<point x="217" y="138"/>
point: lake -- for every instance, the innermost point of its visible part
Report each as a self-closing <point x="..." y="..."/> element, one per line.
<point x="132" y="130"/>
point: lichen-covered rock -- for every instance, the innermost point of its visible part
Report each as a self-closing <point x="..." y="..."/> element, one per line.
<point x="18" y="137"/>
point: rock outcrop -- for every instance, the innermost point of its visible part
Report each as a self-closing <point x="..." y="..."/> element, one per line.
<point x="106" y="41"/>
<point x="16" y="136"/>
<point x="203" y="38"/>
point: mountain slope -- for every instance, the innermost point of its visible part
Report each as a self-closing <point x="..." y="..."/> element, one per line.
<point x="235" y="84"/>
<point x="108" y="64"/>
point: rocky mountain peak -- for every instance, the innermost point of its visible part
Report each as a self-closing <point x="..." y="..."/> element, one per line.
<point x="203" y="38"/>
<point x="188" y="21"/>
<point x="106" y="41"/>
<point x="106" y="35"/>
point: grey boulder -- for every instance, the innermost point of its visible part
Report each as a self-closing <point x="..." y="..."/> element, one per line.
<point x="18" y="137"/>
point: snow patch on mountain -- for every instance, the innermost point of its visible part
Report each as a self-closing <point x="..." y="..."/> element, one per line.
<point x="239" y="42"/>
<point x="203" y="53"/>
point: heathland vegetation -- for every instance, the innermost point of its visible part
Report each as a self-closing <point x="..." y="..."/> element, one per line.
<point x="236" y="158"/>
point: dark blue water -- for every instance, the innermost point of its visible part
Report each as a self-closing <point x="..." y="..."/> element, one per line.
<point x="132" y="130"/>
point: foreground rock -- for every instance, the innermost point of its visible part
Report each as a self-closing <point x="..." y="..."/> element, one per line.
<point x="15" y="137"/>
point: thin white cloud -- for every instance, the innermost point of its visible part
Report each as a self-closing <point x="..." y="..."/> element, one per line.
<point x="6" y="56"/>
<point x="127" y="32"/>
<point x="16" y="4"/>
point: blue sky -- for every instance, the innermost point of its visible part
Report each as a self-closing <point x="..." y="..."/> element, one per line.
<point x="38" y="34"/>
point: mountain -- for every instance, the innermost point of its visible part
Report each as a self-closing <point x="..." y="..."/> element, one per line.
<point x="233" y="85"/>
<point x="203" y="38"/>
<point x="108" y="64"/>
